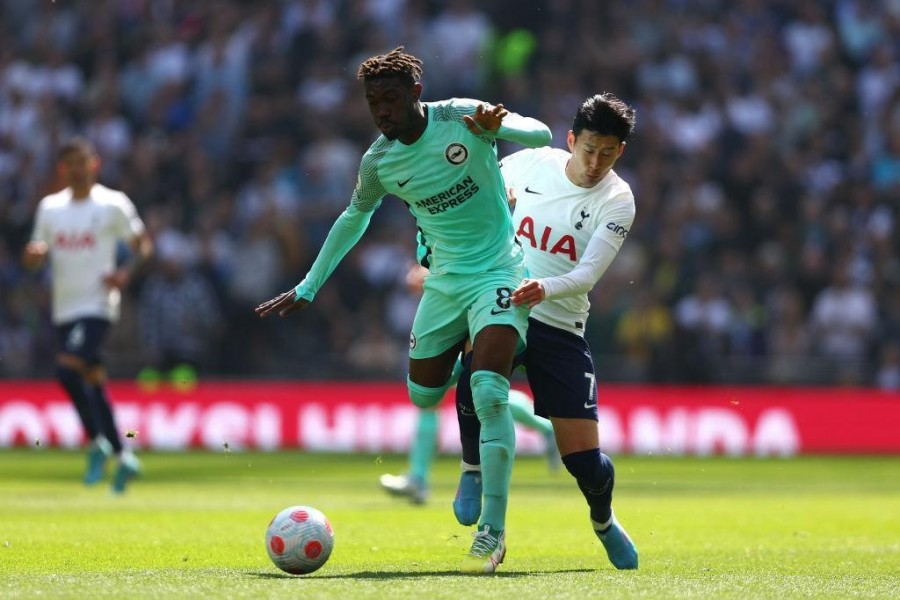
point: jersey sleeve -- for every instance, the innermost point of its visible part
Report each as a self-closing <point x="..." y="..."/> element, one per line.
<point x="526" y="131"/>
<point x="128" y="224"/>
<point x="344" y="234"/>
<point x="599" y="253"/>
<point x="369" y="190"/>
<point x="347" y="229"/>
<point x="616" y="220"/>
<point x="41" y="230"/>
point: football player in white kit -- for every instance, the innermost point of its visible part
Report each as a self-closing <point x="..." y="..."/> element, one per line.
<point x="572" y="214"/>
<point x="78" y="229"/>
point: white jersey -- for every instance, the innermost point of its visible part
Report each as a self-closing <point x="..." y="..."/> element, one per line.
<point x="82" y="237"/>
<point x="570" y="234"/>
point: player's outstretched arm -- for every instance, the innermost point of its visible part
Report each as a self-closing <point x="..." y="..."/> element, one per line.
<point x="513" y="127"/>
<point x="284" y="304"/>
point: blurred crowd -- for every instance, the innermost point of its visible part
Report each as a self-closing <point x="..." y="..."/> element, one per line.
<point x="765" y="166"/>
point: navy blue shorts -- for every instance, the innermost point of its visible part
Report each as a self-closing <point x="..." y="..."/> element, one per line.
<point x="83" y="338"/>
<point x="560" y="373"/>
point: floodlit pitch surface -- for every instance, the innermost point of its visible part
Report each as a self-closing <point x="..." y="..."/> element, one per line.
<point x="193" y="527"/>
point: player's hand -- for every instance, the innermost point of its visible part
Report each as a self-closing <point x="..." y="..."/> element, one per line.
<point x="34" y="254"/>
<point x="511" y="198"/>
<point x="118" y="279"/>
<point x="530" y="293"/>
<point x="283" y="304"/>
<point x="487" y="119"/>
<point x="415" y="278"/>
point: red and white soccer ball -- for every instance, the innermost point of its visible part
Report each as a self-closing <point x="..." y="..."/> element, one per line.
<point x="299" y="540"/>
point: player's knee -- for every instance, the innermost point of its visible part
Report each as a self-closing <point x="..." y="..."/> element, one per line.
<point x="590" y="466"/>
<point x="67" y="375"/>
<point x="95" y="374"/>
<point x="425" y="397"/>
<point x="73" y="362"/>
<point x="490" y="392"/>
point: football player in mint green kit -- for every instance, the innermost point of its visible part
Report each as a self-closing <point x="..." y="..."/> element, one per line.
<point x="441" y="159"/>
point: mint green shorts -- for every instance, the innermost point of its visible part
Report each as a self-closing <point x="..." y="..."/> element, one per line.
<point x="455" y="306"/>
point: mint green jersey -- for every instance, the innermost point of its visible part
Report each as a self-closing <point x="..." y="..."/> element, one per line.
<point x="450" y="180"/>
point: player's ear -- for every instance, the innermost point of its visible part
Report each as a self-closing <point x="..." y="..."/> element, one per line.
<point x="621" y="150"/>
<point x="416" y="91"/>
<point x="570" y="141"/>
<point x="95" y="164"/>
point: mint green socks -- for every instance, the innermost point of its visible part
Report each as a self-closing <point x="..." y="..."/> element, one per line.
<point x="490" y="392"/>
<point x="424" y="445"/>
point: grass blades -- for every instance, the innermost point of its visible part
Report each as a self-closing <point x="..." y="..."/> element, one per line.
<point x="194" y="524"/>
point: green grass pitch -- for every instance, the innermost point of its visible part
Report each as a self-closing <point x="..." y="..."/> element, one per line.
<point x="194" y="525"/>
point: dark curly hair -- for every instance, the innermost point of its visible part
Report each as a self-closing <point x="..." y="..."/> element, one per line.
<point x="605" y="114"/>
<point x="395" y="63"/>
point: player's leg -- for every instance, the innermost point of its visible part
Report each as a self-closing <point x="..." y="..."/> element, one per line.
<point x="70" y="375"/>
<point x="451" y="308"/>
<point x="424" y="443"/>
<point x="467" y="501"/>
<point x="595" y="474"/>
<point x="561" y="375"/>
<point x="128" y="465"/>
<point x="498" y="331"/>
<point x="71" y="368"/>
<point x="492" y="355"/>
<point x="438" y="333"/>
<point x="422" y="451"/>
<point x="428" y="382"/>
<point x="414" y="484"/>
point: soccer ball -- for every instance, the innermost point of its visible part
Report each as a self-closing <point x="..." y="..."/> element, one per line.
<point x="299" y="540"/>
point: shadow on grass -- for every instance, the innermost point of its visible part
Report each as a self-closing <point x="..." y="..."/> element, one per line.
<point x="413" y="574"/>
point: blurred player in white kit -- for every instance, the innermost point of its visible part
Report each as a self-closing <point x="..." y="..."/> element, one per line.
<point x="79" y="229"/>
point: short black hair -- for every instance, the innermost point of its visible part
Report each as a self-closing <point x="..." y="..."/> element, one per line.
<point x="395" y="63"/>
<point x="605" y="114"/>
<point x="76" y="144"/>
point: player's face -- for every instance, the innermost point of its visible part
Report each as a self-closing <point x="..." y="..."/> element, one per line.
<point x="79" y="168"/>
<point x="593" y="155"/>
<point x="392" y="103"/>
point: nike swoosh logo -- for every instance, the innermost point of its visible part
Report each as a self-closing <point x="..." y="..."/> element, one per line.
<point x="402" y="183"/>
<point x="531" y="191"/>
<point x="590" y="406"/>
<point x="497" y="311"/>
<point x="493" y="440"/>
<point x="465" y="410"/>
